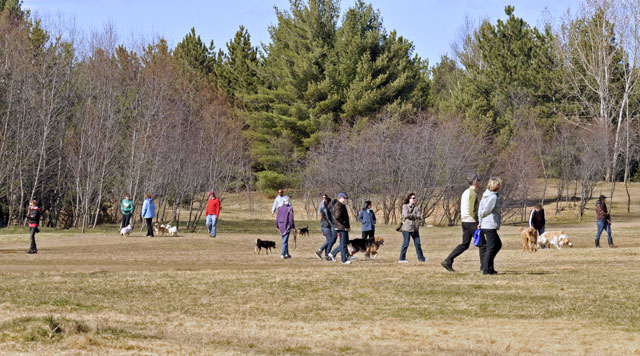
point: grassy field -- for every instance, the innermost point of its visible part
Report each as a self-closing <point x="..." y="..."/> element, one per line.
<point x="99" y="293"/>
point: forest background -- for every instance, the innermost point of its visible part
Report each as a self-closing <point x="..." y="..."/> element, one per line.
<point x="332" y="103"/>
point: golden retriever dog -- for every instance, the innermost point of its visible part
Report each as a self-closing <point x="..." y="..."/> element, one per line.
<point x="529" y="239"/>
<point x="556" y="238"/>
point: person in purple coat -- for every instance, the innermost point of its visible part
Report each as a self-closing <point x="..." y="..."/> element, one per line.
<point x="284" y="223"/>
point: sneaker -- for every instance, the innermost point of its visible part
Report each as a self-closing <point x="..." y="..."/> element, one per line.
<point x="351" y="258"/>
<point x="447" y="266"/>
<point x="347" y="262"/>
<point x="31" y="252"/>
<point x="318" y="254"/>
<point x="287" y="256"/>
<point x="612" y="246"/>
<point x="403" y="261"/>
<point x="425" y="260"/>
<point x="331" y="258"/>
<point x="282" y="257"/>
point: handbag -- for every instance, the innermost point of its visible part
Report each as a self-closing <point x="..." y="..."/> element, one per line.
<point x="476" y="237"/>
<point x="399" y="227"/>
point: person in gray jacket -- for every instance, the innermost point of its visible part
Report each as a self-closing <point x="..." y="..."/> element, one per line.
<point x="411" y="219"/>
<point x="490" y="215"/>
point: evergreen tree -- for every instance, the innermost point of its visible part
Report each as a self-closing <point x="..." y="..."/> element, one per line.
<point x="193" y="53"/>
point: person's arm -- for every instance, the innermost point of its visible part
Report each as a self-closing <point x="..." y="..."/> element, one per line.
<point x="275" y="206"/>
<point x="216" y="208"/>
<point x="473" y="205"/>
<point x="486" y="208"/>
<point x="291" y="223"/>
<point x="531" y="217"/>
<point x="361" y="216"/>
<point x="145" y="206"/>
<point x="373" y="216"/>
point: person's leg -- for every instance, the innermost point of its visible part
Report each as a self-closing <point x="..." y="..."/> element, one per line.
<point x="344" y="239"/>
<point x="405" y="245"/>
<point x="468" y="228"/>
<point x="338" y="248"/>
<point x="609" y="238"/>
<point x="128" y="222"/>
<point x="285" y="244"/>
<point x="365" y="234"/>
<point x="600" y="224"/>
<point x="416" y="242"/>
<point x="208" y="223"/>
<point x="497" y="248"/>
<point x="482" y="249"/>
<point x="487" y="264"/>
<point x="149" y="226"/>
<point x="541" y="231"/>
<point x="213" y="225"/>
<point x="123" y="221"/>
<point x="32" y="233"/>
<point x="326" y="231"/>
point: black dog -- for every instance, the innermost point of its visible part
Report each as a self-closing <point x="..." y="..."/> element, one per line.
<point x="267" y="245"/>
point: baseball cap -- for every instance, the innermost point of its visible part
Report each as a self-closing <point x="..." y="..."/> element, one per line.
<point x="342" y="195"/>
<point x="211" y="192"/>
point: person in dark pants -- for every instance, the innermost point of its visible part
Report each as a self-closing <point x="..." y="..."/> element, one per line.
<point x="148" y="213"/>
<point x="469" y="216"/>
<point x="490" y="214"/>
<point x="603" y="221"/>
<point x="126" y="207"/>
<point x="411" y="219"/>
<point x="327" y="227"/>
<point x="33" y="216"/>
<point x="537" y="220"/>
<point x="342" y="227"/>
<point x="368" y="219"/>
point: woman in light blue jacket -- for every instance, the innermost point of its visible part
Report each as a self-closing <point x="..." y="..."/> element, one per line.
<point x="490" y="215"/>
<point x="368" y="219"/>
<point x="148" y="213"/>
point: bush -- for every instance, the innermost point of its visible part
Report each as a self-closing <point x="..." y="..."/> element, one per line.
<point x="269" y="182"/>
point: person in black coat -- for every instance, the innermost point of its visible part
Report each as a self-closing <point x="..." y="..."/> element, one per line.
<point x="33" y="217"/>
<point x="536" y="219"/>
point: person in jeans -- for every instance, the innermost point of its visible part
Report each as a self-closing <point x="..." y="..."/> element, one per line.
<point x="327" y="227"/>
<point x="469" y="216"/>
<point x="490" y="214"/>
<point x="33" y="217"/>
<point x="342" y="228"/>
<point x="213" y="213"/>
<point x="603" y="221"/>
<point x="148" y="213"/>
<point x="126" y="208"/>
<point x="285" y="223"/>
<point x="411" y="219"/>
<point x="368" y="219"/>
<point x="537" y="220"/>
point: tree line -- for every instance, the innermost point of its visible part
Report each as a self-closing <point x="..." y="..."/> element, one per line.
<point x="332" y="102"/>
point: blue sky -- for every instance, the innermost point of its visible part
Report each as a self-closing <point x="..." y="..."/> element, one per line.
<point x="430" y="24"/>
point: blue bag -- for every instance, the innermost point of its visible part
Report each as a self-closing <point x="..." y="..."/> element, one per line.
<point x="476" y="237"/>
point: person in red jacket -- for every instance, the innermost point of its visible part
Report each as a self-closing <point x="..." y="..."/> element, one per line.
<point x="33" y="216"/>
<point x="213" y="213"/>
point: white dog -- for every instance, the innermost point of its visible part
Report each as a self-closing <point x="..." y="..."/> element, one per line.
<point x="125" y="231"/>
<point x="173" y="230"/>
<point x="556" y="238"/>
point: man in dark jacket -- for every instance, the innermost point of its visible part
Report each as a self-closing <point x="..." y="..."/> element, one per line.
<point x="537" y="220"/>
<point x="342" y="227"/>
<point x="33" y="216"/>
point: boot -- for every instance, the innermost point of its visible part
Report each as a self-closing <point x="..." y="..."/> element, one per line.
<point x="611" y="244"/>
<point x="597" y="243"/>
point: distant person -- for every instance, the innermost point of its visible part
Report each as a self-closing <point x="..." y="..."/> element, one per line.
<point x="368" y="219"/>
<point x="126" y="207"/>
<point x="327" y="228"/>
<point x="342" y="227"/>
<point x="213" y="213"/>
<point x="469" y="216"/>
<point x="411" y="219"/>
<point x="537" y="220"/>
<point x="33" y="217"/>
<point x="285" y="223"/>
<point x="603" y="221"/>
<point x="490" y="214"/>
<point x="277" y="202"/>
<point x="148" y="213"/>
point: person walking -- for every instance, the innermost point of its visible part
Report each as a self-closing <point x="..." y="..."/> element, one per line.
<point x="411" y="219"/>
<point x="469" y="216"/>
<point x="277" y="202"/>
<point x="368" y="219"/>
<point x="603" y="221"/>
<point x="213" y="213"/>
<point x="327" y="228"/>
<point x="33" y="217"/>
<point x="490" y="214"/>
<point x="322" y="204"/>
<point x="148" y="213"/>
<point x="285" y="223"/>
<point x="342" y="228"/>
<point x="126" y="207"/>
<point x="537" y="220"/>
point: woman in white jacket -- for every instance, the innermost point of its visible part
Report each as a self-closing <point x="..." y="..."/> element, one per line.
<point x="490" y="215"/>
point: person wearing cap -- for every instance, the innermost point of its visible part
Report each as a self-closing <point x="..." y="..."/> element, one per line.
<point x="603" y="221"/>
<point x="213" y="213"/>
<point x="285" y="223"/>
<point x="469" y="216"/>
<point x="342" y="227"/>
<point x="277" y="202"/>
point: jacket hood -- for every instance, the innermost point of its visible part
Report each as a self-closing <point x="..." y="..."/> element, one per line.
<point x="488" y="193"/>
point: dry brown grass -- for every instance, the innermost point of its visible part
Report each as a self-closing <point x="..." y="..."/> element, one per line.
<point x="196" y="295"/>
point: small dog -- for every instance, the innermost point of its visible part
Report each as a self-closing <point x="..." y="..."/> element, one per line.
<point x="160" y="229"/>
<point x="173" y="230"/>
<point x="125" y="231"/>
<point x="529" y="239"/>
<point x="556" y="238"/>
<point x="301" y="231"/>
<point x="267" y="245"/>
<point x="370" y="247"/>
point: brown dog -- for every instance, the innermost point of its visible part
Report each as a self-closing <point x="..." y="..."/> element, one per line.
<point x="370" y="247"/>
<point x="529" y="239"/>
